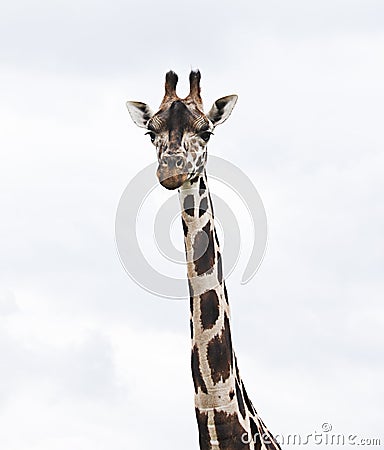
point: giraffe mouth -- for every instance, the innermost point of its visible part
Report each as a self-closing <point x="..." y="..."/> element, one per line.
<point x="171" y="180"/>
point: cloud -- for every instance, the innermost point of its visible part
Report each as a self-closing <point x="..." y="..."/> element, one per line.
<point x="7" y="303"/>
<point x="126" y="37"/>
<point x="68" y="382"/>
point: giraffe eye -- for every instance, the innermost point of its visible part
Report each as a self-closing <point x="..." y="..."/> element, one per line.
<point x="152" y="135"/>
<point x="205" y="136"/>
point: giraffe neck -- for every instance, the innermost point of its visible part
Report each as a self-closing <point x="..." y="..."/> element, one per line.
<point x="226" y="418"/>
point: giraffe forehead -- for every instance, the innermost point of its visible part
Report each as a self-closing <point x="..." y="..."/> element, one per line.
<point x="178" y="118"/>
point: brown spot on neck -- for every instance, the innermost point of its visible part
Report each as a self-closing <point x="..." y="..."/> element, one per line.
<point x="209" y="309"/>
<point x="204" y="260"/>
<point x="220" y="354"/>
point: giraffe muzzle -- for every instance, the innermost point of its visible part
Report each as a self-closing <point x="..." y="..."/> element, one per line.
<point x="171" y="171"/>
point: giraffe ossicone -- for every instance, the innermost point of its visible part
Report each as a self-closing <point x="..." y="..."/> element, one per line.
<point x="180" y="131"/>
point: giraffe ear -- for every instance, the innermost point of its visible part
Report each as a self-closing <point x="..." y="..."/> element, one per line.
<point x="222" y="109"/>
<point x="140" y="113"/>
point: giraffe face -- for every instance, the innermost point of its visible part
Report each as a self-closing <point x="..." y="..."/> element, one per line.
<point x="180" y="130"/>
<point x="180" y="134"/>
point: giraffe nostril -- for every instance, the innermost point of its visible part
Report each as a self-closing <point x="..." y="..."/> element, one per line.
<point x="179" y="162"/>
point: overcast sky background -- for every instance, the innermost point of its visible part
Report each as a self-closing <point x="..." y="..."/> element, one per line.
<point x="91" y="361"/>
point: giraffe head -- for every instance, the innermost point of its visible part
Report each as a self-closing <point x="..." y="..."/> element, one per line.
<point x="180" y="130"/>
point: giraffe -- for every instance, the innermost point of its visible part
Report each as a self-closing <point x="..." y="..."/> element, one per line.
<point x="180" y="131"/>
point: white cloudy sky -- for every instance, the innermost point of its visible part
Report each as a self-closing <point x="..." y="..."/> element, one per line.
<point x="91" y="361"/>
